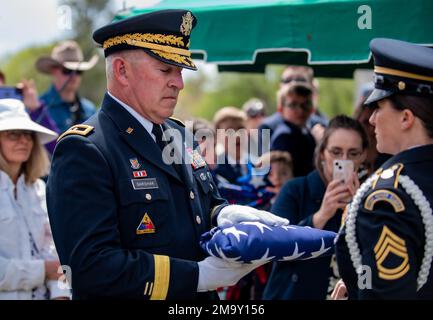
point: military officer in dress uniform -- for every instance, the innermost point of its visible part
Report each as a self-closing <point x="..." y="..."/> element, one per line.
<point x="385" y="248"/>
<point x="125" y="218"/>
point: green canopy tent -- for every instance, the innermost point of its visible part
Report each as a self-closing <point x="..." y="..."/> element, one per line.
<point x="332" y="36"/>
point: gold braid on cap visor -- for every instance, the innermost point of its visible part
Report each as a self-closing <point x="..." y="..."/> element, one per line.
<point x="404" y="74"/>
<point x="158" y="42"/>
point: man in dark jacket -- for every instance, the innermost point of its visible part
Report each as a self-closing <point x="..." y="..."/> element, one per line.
<point x="128" y="194"/>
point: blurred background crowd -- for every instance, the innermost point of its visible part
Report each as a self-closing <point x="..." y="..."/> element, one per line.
<point x="308" y="124"/>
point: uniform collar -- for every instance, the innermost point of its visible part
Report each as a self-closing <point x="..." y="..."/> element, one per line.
<point x="148" y="125"/>
<point x="135" y="135"/>
<point x="413" y="155"/>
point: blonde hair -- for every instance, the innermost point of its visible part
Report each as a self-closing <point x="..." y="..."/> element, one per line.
<point x="230" y="115"/>
<point x="35" y="167"/>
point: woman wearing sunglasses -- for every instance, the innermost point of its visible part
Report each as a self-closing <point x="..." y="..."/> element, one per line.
<point x="28" y="261"/>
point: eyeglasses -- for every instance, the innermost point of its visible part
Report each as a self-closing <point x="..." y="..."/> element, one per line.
<point x="67" y="72"/>
<point x="15" y="135"/>
<point x="290" y="79"/>
<point x="303" y="106"/>
<point x="339" y="154"/>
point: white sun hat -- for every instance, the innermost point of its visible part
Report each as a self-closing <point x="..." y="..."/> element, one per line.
<point x="13" y="116"/>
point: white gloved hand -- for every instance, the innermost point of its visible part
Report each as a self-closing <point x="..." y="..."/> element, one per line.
<point x="216" y="273"/>
<point x="235" y="213"/>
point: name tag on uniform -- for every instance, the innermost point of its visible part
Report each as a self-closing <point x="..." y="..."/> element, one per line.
<point x="141" y="184"/>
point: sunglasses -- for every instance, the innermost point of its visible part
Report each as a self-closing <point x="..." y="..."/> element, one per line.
<point x="68" y="72"/>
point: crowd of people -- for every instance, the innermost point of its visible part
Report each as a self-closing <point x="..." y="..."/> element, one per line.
<point x="289" y="156"/>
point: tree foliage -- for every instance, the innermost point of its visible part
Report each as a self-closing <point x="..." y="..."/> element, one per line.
<point x="203" y="94"/>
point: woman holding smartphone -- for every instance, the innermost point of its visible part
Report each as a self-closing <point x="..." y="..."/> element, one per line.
<point x="385" y="249"/>
<point x="317" y="200"/>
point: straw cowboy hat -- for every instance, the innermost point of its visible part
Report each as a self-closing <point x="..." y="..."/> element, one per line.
<point x="13" y="116"/>
<point x="66" y="54"/>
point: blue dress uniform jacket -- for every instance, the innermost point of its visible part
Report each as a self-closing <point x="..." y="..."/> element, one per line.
<point x="126" y="237"/>
<point x="390" y="232"/>
<point x="269" y="123"/>
<point x="298" y="200"/>
<point x="299" y="143"/>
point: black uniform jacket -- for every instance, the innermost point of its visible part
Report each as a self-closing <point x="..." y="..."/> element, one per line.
<point x="391" y="233"/>
<point x="127" y="223"/>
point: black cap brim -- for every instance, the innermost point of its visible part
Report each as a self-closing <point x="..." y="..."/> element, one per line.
<point x="378" y="94"/>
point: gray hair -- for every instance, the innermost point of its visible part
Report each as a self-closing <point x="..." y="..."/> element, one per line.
<point x="130" y="55"/>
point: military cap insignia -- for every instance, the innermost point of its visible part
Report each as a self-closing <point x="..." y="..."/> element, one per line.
<point x="146" y="225"/>
<point x="164" y="36"/>
<point x="391" y="255"/>
<point x="78" y="129"/>
<point x="186" y="26"/>
<point x="384" y="196"/>
<point x="400" y="67"/>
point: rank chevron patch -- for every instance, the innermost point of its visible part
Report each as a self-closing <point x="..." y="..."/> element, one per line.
<point x="388" y="246"/>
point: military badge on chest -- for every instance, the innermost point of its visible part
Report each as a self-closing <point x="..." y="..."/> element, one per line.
<point x="140" y="180"/>
<point x="146" y="225"/>
<point x="134" y="163"/>
<point x="196" y="159"/>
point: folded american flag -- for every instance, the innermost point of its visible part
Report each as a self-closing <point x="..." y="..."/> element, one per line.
<point x="256" y="242"/>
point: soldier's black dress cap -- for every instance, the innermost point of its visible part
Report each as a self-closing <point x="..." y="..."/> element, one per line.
<point x="401" y="67"/>
<point x="164" y="34"/>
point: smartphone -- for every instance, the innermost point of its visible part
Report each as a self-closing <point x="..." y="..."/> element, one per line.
<point x="11" y="93"/>
<point x="342" y="170"/>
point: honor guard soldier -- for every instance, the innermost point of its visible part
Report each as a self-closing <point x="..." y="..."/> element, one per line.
<point x="125" y="218"/>
<point x="385" y="248"/>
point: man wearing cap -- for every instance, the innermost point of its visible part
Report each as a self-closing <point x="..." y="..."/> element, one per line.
<point x="125" y="218"/>
<point x="385" y="249"/>
<point x="62" y="101"/>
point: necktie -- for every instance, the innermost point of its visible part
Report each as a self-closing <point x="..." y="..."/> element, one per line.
<point x="157" y="132"/>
